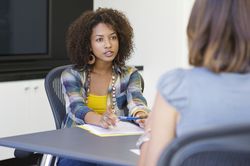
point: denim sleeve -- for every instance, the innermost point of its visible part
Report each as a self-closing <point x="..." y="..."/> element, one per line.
<point x="135" y="97"/>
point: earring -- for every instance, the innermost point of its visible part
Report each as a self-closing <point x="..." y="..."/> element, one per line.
<point x="91" y="59"/>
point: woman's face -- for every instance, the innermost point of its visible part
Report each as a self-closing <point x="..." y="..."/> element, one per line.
<point x="104" y="42"/>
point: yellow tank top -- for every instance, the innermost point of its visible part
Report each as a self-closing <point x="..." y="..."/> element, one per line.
<point x="97" y="103"/>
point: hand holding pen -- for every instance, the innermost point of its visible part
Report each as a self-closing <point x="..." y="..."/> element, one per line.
<point x="108" y="119"/>
<point x="139" y="118"/>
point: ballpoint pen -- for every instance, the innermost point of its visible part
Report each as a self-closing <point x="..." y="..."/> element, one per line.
<point x="128" y="118"/>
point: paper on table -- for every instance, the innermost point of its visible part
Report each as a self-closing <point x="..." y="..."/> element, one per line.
<point x="122" y="128"/>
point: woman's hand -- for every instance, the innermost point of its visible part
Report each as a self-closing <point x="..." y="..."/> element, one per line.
<point x="143" y="115"/>
<point x="108" y="119"/>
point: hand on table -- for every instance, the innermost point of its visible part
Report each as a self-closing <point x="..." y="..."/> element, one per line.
<point x="108" y="119"/>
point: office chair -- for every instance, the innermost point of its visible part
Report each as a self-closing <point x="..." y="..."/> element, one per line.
<point x="55" y="96"/>
<point x="22" y="158"/>
<point x="54" y="93"/>
<point x="224" y="146"/>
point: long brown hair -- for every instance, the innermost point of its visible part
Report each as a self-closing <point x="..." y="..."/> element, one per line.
<point x="219" y="35"/>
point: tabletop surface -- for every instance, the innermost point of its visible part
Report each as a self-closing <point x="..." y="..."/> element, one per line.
<point x="77" y="143"/>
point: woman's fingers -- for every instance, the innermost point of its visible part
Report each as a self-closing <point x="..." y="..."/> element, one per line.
<point x="109" y="119"/>
<point x="141" y="122"/>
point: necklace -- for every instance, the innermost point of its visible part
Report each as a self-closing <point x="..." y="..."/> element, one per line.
<point x="113" y="96"/>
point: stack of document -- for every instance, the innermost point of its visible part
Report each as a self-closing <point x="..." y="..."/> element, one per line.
<point x="122" y="128"/>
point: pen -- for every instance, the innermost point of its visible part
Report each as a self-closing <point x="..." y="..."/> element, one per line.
<point x="129" y="118"/>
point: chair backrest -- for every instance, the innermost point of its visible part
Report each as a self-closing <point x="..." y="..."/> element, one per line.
<point x="211" y="147"/>
<point x="142" y="83"/>
<point x="54" y="93"/>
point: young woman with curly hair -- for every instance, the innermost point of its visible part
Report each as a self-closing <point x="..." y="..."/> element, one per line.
<point x="100" y="87"/>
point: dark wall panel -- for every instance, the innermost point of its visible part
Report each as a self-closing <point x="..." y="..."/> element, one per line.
<point x="61" y="14"/>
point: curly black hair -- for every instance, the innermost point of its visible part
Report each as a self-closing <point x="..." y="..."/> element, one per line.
<point x="79" y="32"/>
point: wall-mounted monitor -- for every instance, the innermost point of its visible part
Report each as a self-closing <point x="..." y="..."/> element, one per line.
<point x="32" y="35"/>
<point x="24" y="29"/>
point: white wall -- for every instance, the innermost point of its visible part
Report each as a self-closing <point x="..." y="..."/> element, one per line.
<point x="160" y="35"/>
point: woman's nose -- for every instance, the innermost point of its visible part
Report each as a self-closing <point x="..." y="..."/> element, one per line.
<point x="107" y="43"/>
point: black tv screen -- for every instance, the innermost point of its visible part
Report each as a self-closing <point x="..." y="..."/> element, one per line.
<point x="24" y="27"/>
<point x="32" y="35"/>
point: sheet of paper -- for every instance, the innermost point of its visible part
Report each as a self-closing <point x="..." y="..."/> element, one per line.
<point x="122" y="128"/>
<point x="136" y="151"/>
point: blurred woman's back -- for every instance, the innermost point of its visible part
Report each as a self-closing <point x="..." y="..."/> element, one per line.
<point x="216" y="91"/>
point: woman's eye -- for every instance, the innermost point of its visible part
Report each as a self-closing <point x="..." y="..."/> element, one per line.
<point x="113" y="37"/>
<point x="99" y="39"/>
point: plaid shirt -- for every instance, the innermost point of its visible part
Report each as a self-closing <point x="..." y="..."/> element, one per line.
<point x="129" y="96"/>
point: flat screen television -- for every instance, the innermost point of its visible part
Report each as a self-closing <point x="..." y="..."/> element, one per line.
<point x="32" y="35"/>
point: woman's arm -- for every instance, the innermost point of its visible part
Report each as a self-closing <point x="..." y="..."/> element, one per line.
<point x="162" y="126"/>
<point x="75" y="96"/>
<point x="137" y="104"/>
<point x="136" y="101"/>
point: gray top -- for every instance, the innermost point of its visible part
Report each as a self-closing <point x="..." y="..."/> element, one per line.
<point x="205" y="99"/>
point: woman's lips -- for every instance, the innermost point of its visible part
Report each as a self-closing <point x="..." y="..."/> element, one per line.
<point x="108" y="53"/>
